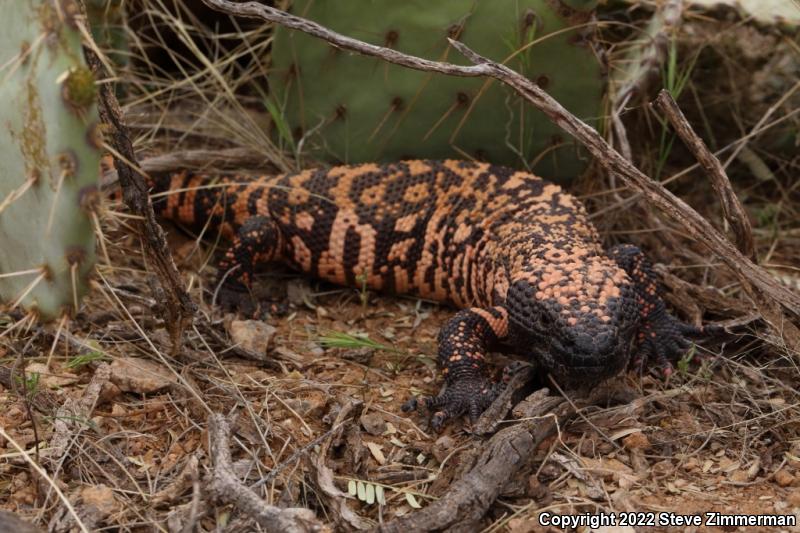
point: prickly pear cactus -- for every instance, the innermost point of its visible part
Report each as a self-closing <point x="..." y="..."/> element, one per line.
<point x="49" y="158"/>
<point x="352" y="108"/>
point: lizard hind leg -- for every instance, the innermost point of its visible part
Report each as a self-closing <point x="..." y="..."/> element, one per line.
<point x="662" y="338"/>
<point x="256" y="242"/>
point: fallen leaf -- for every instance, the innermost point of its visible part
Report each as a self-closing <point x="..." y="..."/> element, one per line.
<point x="50" y="378"/>
<point x="377" y="452"/>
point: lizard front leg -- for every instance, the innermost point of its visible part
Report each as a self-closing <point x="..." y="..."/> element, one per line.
<point x="257" y="242"/>
<point x="464" y="342"/>
<point x="662" y="338"/>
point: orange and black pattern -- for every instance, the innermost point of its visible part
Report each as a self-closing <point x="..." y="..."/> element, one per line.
<point x="515" y="252"/>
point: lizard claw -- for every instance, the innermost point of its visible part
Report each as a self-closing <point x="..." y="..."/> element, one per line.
<point x="465" y="396"/>
<point x="664" y="340"/>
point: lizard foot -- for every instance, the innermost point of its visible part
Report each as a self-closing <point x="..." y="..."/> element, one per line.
<point x="663" y="340"/>
<point x="466" y="396"/>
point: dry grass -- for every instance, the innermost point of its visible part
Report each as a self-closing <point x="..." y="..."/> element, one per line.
<point x="721" y="435"/>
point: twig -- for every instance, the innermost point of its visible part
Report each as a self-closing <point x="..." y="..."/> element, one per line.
<point x="226" y="158"/>
<point x="468" y="498"/>
<point x="174" y="491"/>
<point x="772" y="109"/>
<point x="277" y="469"/>
<point x="494" y="415"/>
<point x="227" y="488"/>
<point x="179" y="306"/>
<point x="732" y="208"/>
<point x="335" y="499"/>
<point x="767" y="293"/>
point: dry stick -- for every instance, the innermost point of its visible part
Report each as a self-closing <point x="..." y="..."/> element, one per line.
<point x="767" y="293"/>
<point x="732" y="209"/>
<point x="178" y="305"/>
<point x="225" y="486"/>
<point x="222" y="159"/>
<point x="467" y="500"/>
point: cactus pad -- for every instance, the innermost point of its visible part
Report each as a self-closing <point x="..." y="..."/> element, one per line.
<point x="350" y="108"/>
<point x="49" y="158"/>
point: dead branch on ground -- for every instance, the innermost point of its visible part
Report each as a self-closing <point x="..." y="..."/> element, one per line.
<point x="226" y="487"/>
<point x="504" y="455"/>
<point x="178" y="305"/>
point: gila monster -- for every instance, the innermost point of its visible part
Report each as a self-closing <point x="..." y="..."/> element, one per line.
<point x="516" y="253"/>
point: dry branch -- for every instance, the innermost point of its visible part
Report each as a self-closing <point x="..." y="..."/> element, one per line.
<point x="226" y="487"/>
<point x="178" y="305"/>
<point x="468" y="499"/>
<point x="732" y="208"/>
<point x="201" y="158"/>
<point x="491" y="418"/>
<point x="767" y="293"/>
<point x="649" y="56"/>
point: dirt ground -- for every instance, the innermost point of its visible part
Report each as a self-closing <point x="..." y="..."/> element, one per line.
<point x="720" y="436"/>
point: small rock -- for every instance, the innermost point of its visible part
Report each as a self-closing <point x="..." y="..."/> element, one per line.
<point x="315" y="349"/>
<point x="784" y="478"/>
<point x="252" y="335"/>
<point x="691" y="464"/>
<point x="101" y="499"/>
<point x="441" y="448"/>
<point x="794" y="498"/>
<point x="50" y="378"/>
<point x="373" y="423"/>
<point x="317" y="404"/>
<point x="11" y="522"/>
<point x="606" y="468"/>
<point x="636" y="441"/>
<point x="738" y="476"/>
<point x="140" y="376"/>
<point x="524" y="525"/>
<point x="662" y="468"/>
<point x="549" y="472"/>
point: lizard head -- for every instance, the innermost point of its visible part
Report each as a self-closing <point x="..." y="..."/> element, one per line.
<point x="578" y="317"/>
